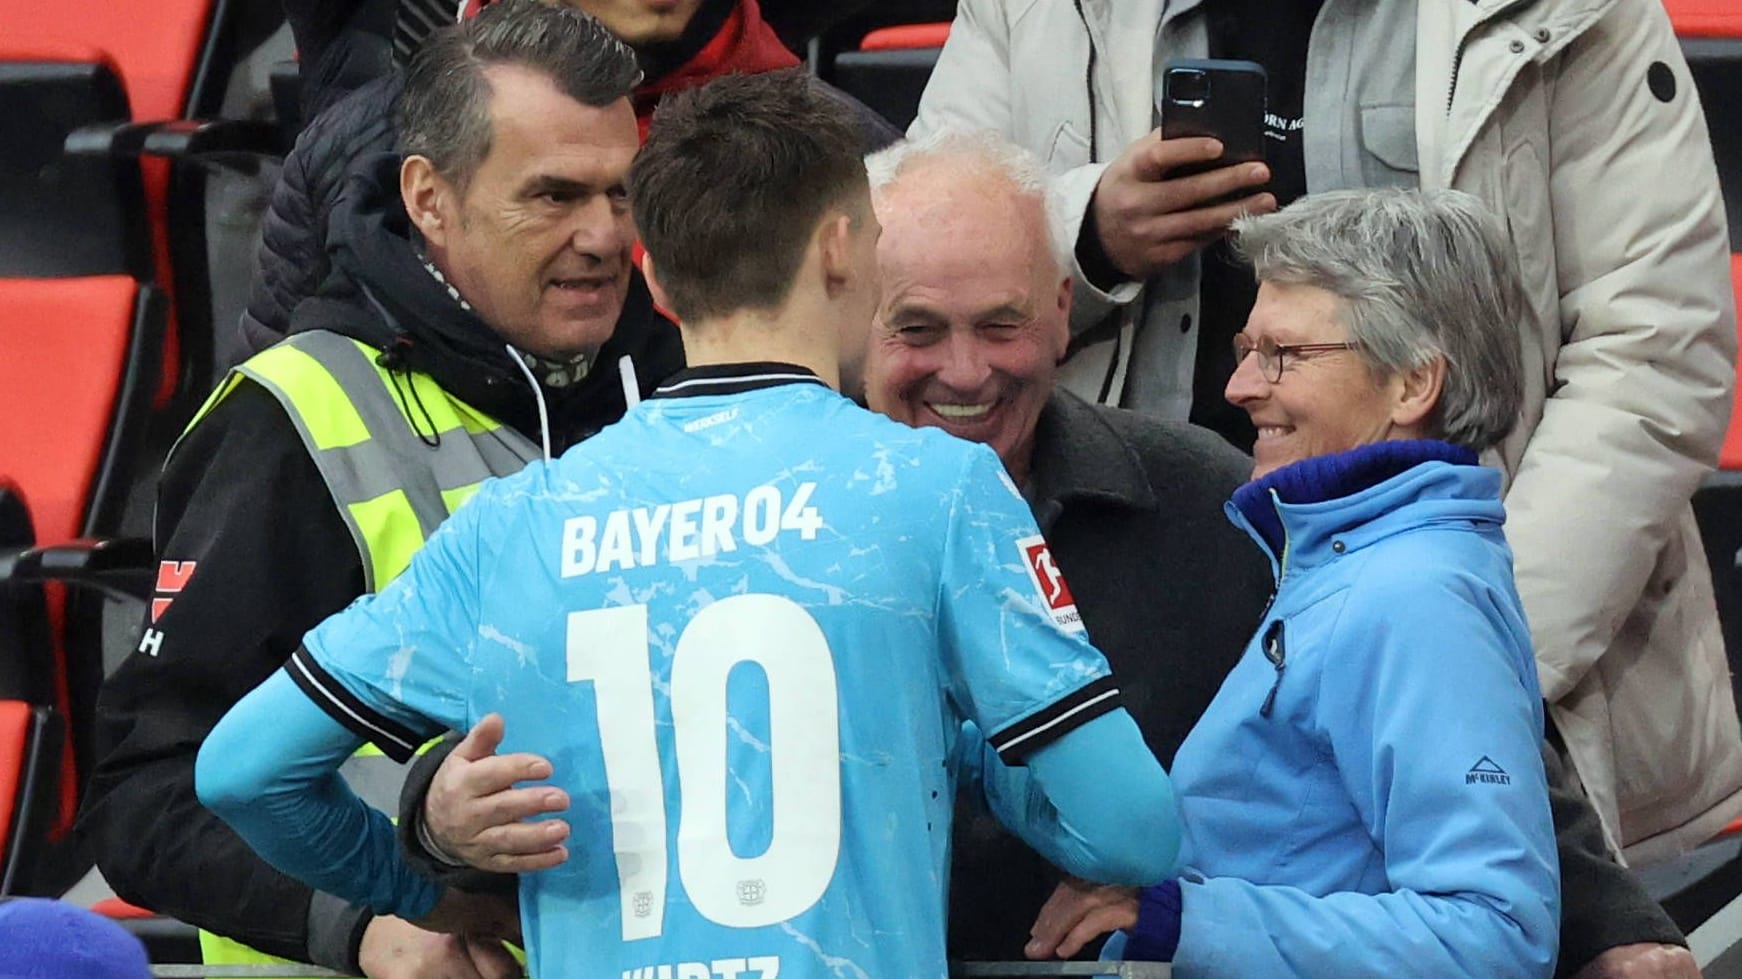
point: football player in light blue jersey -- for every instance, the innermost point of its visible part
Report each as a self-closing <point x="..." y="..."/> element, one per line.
<point x="746" y="625"/>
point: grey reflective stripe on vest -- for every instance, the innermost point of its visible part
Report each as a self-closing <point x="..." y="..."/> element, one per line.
<point x="396" y="456"/>
<point x="376" y="779"/>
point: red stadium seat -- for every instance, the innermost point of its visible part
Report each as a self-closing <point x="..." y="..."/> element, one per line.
<point x="904" y="37"/>
<point x="1705" y="18"/>
<point x="81" y="351"/>
<point x="172" y="68"/>
<point x="889" y="70"/>
<point x="101" y="223"/>
<point x="1718" y="507"/>
<point x="1730" y="457"/>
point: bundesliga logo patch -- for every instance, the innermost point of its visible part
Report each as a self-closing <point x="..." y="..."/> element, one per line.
<point x="1049" y="583"/>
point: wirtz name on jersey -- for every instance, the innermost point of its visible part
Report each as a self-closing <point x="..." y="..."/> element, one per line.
<point x="687" y="530"/>
<point x="754" y="967"/>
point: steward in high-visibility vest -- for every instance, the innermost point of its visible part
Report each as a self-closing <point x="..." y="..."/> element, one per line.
<point x="310" y="477"/>
<point x="395" y="475"/>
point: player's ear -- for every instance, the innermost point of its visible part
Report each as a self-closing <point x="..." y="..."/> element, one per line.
<point x="660" y="299"/>
<point x="834" y="244"/>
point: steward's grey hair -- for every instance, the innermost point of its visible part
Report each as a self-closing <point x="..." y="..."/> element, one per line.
<point x="444" y="109"/>
<point x="1421" y="274"/>
<point x="976" y="153"/>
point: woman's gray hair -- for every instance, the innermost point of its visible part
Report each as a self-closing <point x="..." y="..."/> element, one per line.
<point x="1422" y="274"/>
<point x="973" y="152"/>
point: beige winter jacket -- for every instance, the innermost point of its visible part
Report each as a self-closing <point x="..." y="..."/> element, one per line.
<point x="1611" y="198"/>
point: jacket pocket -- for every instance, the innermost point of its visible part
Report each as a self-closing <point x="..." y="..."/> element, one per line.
<point x="1388" y="157"/>
<point x="1066" y="149"/>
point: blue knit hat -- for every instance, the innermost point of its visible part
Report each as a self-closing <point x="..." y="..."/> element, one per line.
<point x="41" y="939"/>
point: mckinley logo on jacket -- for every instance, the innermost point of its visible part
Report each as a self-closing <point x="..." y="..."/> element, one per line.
<point x="1487" y="772"/>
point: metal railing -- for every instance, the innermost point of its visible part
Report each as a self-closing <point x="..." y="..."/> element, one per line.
<point x="961" y="970"/>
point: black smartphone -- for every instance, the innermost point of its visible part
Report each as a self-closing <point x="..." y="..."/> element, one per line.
<point x="1215" y="97"/>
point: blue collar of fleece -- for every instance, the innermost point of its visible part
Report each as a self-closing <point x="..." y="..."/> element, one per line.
<point x="1338" y="474"/>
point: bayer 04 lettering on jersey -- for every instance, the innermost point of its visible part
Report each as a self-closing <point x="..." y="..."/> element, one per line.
<point x="747" y="629"/>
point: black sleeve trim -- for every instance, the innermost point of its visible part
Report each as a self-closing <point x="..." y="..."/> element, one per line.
<point x="1019" y="740"/>
<point x="395" y="740"/>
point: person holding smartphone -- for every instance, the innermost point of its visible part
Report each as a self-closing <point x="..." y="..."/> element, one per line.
<point x="1579" y="122"/>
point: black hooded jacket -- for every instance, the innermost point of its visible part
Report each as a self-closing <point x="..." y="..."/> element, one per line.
<point x="257" y="553"/>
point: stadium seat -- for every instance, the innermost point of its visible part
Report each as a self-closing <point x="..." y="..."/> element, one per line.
<point x="85" y="351"/>
<point x="1711" y="38"/>
<point x="101" y="227"/>
<point x="27" y="729"/>
<point x="1718" y="507"/>
<point x="889" y="70"/>
<point x="1705" y="18"/>
<point x="174" y="68"/>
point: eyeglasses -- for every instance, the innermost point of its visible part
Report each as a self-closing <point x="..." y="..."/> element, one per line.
<point x="1272" y="355"/>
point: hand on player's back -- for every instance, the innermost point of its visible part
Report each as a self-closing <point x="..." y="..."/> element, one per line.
<point x="476" y="810"/>
<point x="1148" y="220"/>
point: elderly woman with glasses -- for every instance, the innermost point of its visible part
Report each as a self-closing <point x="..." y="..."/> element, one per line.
<point x="1365" y="795"/>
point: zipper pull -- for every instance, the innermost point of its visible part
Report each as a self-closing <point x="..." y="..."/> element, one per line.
<point x="1277" y="654"/>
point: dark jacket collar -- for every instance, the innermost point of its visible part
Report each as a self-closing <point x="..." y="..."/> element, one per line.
<point x="1078" y="457"/>
<point x="381" y="293"/>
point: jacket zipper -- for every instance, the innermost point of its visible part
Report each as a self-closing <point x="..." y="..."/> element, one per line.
<point x="1272" y="642"/>
<point x="1089" y="83"/>
<point x="1277" y="653"/>
<point x="1457" y="64"/>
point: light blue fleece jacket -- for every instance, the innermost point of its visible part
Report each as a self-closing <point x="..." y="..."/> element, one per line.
<point x="1386" y="813"/>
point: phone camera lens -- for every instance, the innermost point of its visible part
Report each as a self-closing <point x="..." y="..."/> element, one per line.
<point x="1188" y="86"/>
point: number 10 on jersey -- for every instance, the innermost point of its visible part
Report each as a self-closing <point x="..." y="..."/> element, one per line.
<point x="608" y="647"/>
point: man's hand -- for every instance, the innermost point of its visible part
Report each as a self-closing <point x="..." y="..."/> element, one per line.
<point x="1147" y="220"/>
<point x="1647" y="960"/>
<point x="397" y="949"/>
<point x="475" y="814"/>
<point x="1077" y="912"/>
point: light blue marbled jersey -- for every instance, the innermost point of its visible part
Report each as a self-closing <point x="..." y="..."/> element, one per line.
<point x="746" y="629"/>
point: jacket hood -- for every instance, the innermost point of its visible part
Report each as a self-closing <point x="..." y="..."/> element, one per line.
<point x="723" y="37"/>
<point x="382" y="292"/>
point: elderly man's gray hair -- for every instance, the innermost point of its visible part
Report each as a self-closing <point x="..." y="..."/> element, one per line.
<point x="1422" y="274"/>
<point x="976" y="152"/>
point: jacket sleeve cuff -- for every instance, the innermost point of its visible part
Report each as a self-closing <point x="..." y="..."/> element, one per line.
<point x="420" y="848"/>
<point x="1156" y="936"/>
<point x="1068" y="200"/>
<point x="335" y="933"/>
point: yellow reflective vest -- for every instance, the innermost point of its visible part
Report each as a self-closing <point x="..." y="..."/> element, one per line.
<point x="398" y="454"/>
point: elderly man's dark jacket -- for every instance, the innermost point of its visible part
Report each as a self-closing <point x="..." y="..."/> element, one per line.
<point x="1169" y="590"/>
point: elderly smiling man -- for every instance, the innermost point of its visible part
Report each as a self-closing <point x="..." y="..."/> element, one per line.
<point x="971" y="326"/>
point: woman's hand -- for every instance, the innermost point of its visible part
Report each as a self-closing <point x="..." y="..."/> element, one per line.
<point x="1076" y="914"/>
